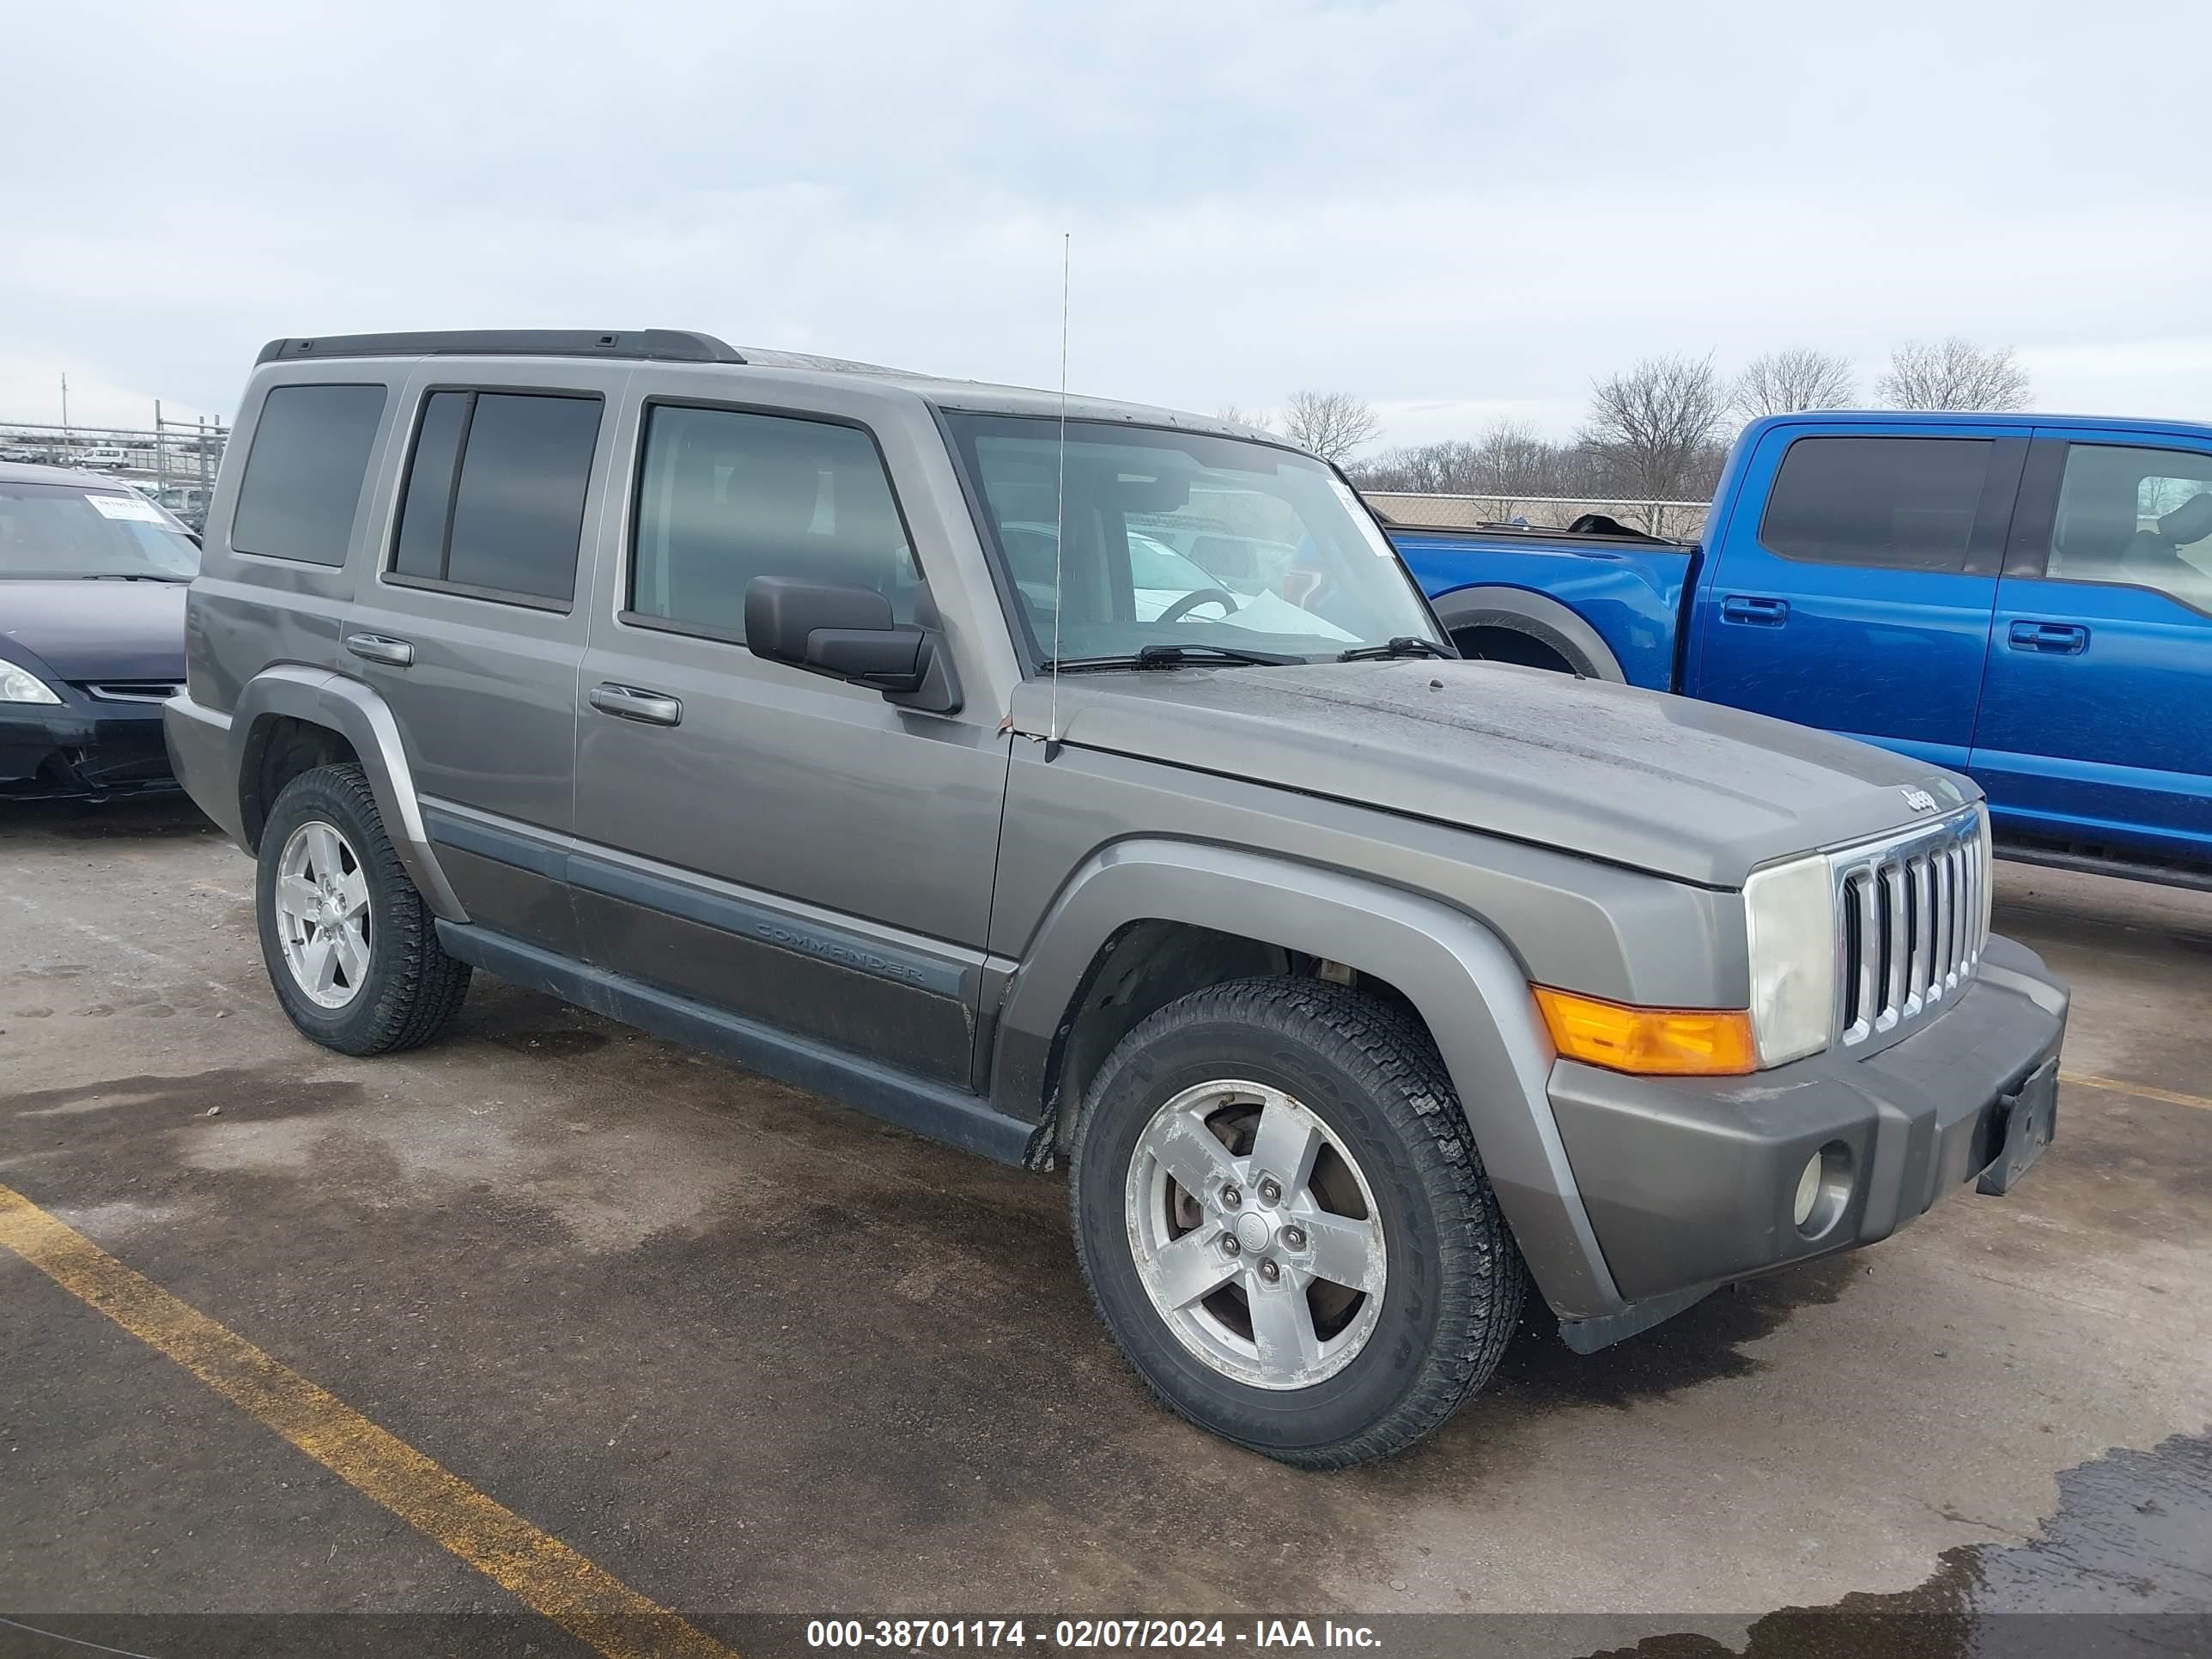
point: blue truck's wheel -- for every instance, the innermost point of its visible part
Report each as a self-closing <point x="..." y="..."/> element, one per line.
<point x="1283" y="1223"/>
<point x="1532" y="630"/>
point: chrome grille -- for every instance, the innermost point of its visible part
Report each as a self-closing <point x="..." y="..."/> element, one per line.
<point x="1912" y="915"/>
<point x="134" y="690"/>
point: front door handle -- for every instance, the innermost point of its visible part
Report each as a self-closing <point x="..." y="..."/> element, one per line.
<point x="2057" y="639"/>
<point x="635" y="703"/>
<point x="1756" y="608"/>
<point x="380" y="647"/>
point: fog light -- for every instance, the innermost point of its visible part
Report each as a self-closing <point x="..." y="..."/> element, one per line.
<point x="1824" y="1188"/>
<point x="1809" y="1191"/>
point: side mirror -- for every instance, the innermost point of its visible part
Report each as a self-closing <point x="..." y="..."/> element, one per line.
<point x="848" y="634"/>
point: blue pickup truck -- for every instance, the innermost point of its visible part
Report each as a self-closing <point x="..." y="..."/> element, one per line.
<point x="2024" y="599"/>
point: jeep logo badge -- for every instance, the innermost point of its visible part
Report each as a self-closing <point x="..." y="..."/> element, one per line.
<point x="1920" y="800"/>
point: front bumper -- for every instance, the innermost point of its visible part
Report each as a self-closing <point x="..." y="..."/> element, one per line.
<point x="80" y="747"/>
<point x="1689" y="1182"/>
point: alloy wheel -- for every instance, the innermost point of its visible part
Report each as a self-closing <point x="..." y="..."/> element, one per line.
<point x="324" y="918"/>
<point x="1257" y="1235"/>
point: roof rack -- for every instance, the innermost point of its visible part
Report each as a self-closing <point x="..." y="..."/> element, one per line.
<point x="667" y="345"/>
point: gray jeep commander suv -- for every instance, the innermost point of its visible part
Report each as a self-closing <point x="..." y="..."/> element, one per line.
<point x="1074" y="781"/>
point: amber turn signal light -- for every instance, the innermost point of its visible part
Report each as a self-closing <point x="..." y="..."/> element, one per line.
<point x="1650" y="1042"/>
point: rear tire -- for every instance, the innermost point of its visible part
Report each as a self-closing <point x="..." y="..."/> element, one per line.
<point x="1323" y="1336"/>
<point x="351" y="948"/>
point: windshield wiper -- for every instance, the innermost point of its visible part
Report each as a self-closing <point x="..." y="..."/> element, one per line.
<point x="131" y="576"/>
<point x="1176" y="656"/>
<point x="1405" y="645"/>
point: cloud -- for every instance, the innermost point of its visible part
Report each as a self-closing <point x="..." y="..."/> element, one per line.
<point x="2167" y="378"/>
<point x="30" y="393"/>
<point x="1451" y="209"/>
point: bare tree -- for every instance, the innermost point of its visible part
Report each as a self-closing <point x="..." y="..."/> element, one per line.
<point x="1651" y="428"/>
<point x="1953" y="374"/>
<point x="1785" y="382"/>
<point x="1510" y="458"/>
<point x="1444" y="468"/>
<point x="1331" y="424"/>
<point x="1241" y="417"/>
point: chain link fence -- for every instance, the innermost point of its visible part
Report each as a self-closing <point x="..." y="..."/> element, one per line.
<point x="1680" y="519"/>
<point x="172" y="461"/>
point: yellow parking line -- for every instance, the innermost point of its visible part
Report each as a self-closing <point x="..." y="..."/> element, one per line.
<point x="535" y="1567"/>
<point x="2113" y="1085"/>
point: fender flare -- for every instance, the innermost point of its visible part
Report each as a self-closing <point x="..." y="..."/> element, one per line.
<point x="322" y="697"/>
<point x="1466" y="984"/>
<point x="1539" y="616"/>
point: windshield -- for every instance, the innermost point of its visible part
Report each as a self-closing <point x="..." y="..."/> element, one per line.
<point x="60" y="531"/>
<point x="1179" y="538"/>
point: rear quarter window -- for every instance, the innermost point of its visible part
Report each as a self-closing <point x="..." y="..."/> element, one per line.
<point x="1892" y="503"/>
<point x="305" y="472"/>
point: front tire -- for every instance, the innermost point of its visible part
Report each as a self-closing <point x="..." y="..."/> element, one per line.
<point x="1283" y="1225"/>
<point x="351" y="948"/>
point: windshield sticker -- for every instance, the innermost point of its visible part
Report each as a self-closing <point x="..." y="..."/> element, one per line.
<point x="1378" y="542"/>
<point x="134" y="509"/>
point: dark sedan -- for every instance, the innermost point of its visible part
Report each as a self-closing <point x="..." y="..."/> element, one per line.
<point x="92" y="633"/>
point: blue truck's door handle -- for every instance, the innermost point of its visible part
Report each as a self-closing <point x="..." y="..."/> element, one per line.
<point x="1755" y="609"/>
<point x="2060" y="639"/>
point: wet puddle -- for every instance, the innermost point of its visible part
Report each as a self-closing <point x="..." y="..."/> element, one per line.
<point x="2124" y="1566"/>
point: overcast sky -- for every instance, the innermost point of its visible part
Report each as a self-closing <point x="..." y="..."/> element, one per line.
<point x="1457" y="210"/>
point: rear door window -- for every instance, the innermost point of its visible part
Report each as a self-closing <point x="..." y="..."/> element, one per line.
<point x="304" y="475"/>
<point x="1890" y="503"/>
<point x="2137" y="515"/>
<point x="494" y="502"/>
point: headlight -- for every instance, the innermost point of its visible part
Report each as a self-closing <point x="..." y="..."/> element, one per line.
<point x="1789" y="914"/>
<point x="21" y="686"/>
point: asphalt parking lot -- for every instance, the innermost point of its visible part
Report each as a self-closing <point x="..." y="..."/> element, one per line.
<point x="751" y="1352"/>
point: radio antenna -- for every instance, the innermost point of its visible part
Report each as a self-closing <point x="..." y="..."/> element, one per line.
<point x="1059" y="509"/>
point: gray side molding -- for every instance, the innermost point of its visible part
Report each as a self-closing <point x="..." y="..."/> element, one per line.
<point x="1539" y="617"/>
<point x="350" y="708"/>
<point x="1467" y="985"/>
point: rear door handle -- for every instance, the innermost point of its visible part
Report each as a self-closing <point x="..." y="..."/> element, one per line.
<point x="635" y="703"/>
<point x="380" y="647"/>
<point x="2058" y="639"/>
<point x="1755" y="609"/>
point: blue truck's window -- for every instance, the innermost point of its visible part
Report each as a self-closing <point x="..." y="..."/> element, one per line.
<point x="1895" y="503"/>
<point x="509" y="524"/>
<point x="2136" y="514"/>
<point x="724" y="496"/>
<point x="304" y="473"/>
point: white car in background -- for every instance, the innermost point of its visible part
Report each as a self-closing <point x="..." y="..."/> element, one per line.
<point x="103" y="460"/>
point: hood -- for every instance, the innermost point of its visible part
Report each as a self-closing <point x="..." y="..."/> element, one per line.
<point x="1691" y="790"/>
<point x="95" y="630"/>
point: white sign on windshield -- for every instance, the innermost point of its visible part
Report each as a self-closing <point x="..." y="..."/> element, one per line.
<point x="134" y="509"/>
<point x="1378" y="542"/>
